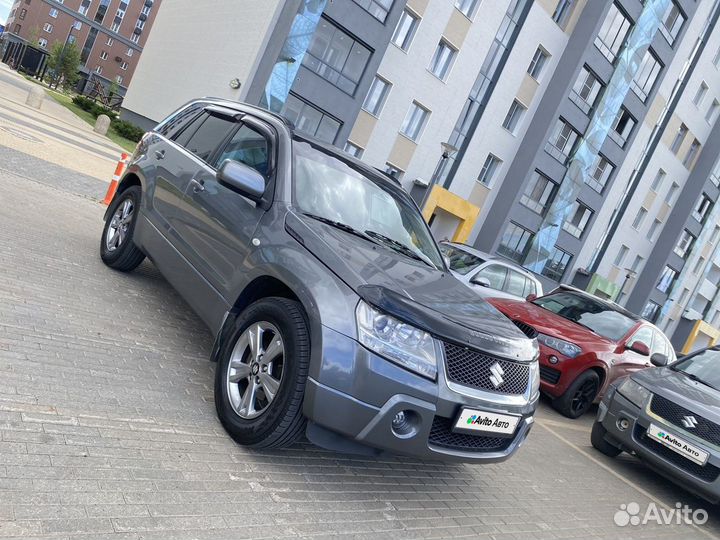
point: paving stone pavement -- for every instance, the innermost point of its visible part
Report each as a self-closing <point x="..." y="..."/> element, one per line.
<point x="108" y="428"/>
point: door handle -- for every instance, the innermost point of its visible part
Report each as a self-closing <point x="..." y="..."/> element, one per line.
<point x="160" y="154"/>
<point x="197" y="185"/>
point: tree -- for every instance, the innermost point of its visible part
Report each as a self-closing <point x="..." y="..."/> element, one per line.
<point x="64" y="63"/>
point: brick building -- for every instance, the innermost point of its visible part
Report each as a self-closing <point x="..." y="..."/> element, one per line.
<point x="110" y="34"/>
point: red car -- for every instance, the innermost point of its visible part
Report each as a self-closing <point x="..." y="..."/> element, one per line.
<point x="585" y="344"/>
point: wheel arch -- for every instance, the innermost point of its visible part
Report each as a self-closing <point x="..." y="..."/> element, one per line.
<point x="131" y="178"/>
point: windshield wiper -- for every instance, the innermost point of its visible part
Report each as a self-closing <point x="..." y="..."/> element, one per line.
<point x="400" y="248"/>
<point x="340" y="225"/>
<point x="695" y="378"/>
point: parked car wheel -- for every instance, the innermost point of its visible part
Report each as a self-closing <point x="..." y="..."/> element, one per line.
<point x="117" y="249"/>
<point x="597" y="438"/>
<point x="578" y="398"/>
<point x="261" y="375"/>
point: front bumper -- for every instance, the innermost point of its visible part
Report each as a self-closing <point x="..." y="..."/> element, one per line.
<point x="357" y="394"/>
<point x="703" y="480"/>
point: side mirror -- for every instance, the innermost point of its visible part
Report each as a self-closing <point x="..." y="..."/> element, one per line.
<point x="481" y="281"/>
<point x="531" y="297"/>
<point x="242" y="179"/>
<point x="659" y="360"/>
<point x="639" y="347"/>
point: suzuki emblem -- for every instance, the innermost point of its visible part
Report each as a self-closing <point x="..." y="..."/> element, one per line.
<point x="496" y="373"/>
<point x="689" y="422"/>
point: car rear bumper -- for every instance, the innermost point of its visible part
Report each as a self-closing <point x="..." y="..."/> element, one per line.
<point x="362" y="410"/>
<point x="703" y="480"/>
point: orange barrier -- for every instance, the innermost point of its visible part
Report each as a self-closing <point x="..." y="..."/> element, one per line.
<point x="119" y="170"/>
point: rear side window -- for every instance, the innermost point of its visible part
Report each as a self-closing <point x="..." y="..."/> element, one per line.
<point x="516" y="283"/>
<point x="175" y="124"/>
<point x="530" y="288"/>
<point x="208" y="136"/>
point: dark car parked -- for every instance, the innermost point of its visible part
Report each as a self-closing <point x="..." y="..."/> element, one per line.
<point x="332" y="307"/>
<point x="670" y="418"/>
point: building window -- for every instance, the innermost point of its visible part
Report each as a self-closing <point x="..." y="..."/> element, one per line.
<point x="562" y="141"/>
<point x="679" y="138"/>
<point x="691" y="153"/>
<point x="98" y="70"/>
<point x="467" y="7"/>
<point x="393" y="172"/>
<point x="622" y="253"/>
<point x="336" y="57"/>
<point x="514" y="115"/>
<point x="712" y="111"/>
<point x="84" y="7"/>
<point x="658" y="181"/>
<point x="644" y="80"/>
<point x="556" y="264"/>
<point x="415" y="121"/>
<point x="124" y="66"/>
<point x="53" y="13"/>
<point x="539" y="193"/>
<point x="43" y="43"/>
<point x="119" y="79"/>
<point x="17" y="28"/>
<point x="612" y="35"/>
<point x="685" y="244"/>
<point x="622" y="127"/>
<point x="103" y="55"/>
<point x="377" y="8"/>
<point x="378" y="93"/>
<point x="515" y="243"/>
<point x="586" y="90"/>
<point x="639" y="218"/>
<point x="667" y="279"/>
<point x="672" y="23"/>
<point x="109" y="42"/>
<point x="129" y="52"/>
<point x="651" y="312"/>
<point x="700" y="94"/>
<point x="601" y="171"/>
<point x="47" y="27"/>
<point x="702" y="208"/>
<point x="491" y="166"/>
<point x="23" y="13"/>
<point x="135" y="38"/>
<point x="579" y="217"/>
<point x="670" y="196"/>
<point x="654" y="230"/>
<point x="562" y="11"/>
<point x="353" y="149"/>
<point x="699" y="265"/>
<point x="537" y="63"/>
<point x="637" y="263"/>
<point x="405" y="30"/>
<point x="442" y="60"/>
<point x="310" y="119"/>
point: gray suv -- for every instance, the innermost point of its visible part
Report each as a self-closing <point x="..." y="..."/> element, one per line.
<point x="670" y="418"/>
<point x="334" y="313"/>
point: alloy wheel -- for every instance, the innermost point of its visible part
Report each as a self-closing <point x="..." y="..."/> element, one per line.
<point x="583" y="397"/>
<point x="119" y="225"/>
<point x="255" y="370"/>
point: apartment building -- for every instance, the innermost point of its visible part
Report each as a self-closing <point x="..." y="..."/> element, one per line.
<point x="110" y="34"/>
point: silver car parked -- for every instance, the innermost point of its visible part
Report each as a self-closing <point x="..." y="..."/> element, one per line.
<point x="488" y="275"/>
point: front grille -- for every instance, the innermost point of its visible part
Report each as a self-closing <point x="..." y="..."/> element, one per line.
<point x="441" y="435"/>
<point x="526" y="329"/>
<point x="674" y="413"/>
<point x="473" y="369"/>
<point x="708" y="473"/>
<point x="549" y="374"/>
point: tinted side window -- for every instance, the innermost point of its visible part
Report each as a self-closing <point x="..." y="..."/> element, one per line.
<point x="249" y="147"/>
<point x="515" y="283"/>
<point x="182" y="135"/>
<point x="644" y="335"/>
<point x="173" y="125"/>
<point x="495" y="274"/>
<point x="530" y="288"/>
<point x="209" y="136"/>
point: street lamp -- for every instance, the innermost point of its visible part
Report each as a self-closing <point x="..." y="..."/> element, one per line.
<point x="448" y="151"/>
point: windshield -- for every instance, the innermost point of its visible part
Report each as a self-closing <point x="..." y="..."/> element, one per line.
<point x="461" y="262"/>
<point x="329" y="188"/>
<point x="704" y="367"/>
<point x="597" y="316"/>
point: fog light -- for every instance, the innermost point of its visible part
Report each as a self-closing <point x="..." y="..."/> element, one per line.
<point x="623" y="424"/>
<point x="405" y="424"/>
<point x="553" y="359"/>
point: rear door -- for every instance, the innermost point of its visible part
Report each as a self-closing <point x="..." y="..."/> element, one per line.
<point x="516" y="284"/>
<point x="219" y="223"/>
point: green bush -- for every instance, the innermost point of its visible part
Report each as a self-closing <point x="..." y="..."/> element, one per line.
<point x="93" y="108"/>
<point x="128" y="130"/>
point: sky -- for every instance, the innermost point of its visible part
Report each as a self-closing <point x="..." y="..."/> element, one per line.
<point x="5" y="9"/>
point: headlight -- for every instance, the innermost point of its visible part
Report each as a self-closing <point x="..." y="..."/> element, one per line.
<point x="633" y="392"/>
<point x="399" y="342"/>
<point x="560" y="345"/>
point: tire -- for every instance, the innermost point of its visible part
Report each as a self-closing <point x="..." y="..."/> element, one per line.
<point x="256" y="419"/>
<point x="597" y="438"/>
<point x="579" y="397"/>
<point x="117" y="249"/>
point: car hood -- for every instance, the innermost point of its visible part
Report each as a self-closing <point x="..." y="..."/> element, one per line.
<point x="411" y="290"/>
<point x="680" y="389"/>
<point x="549" y="323"/>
